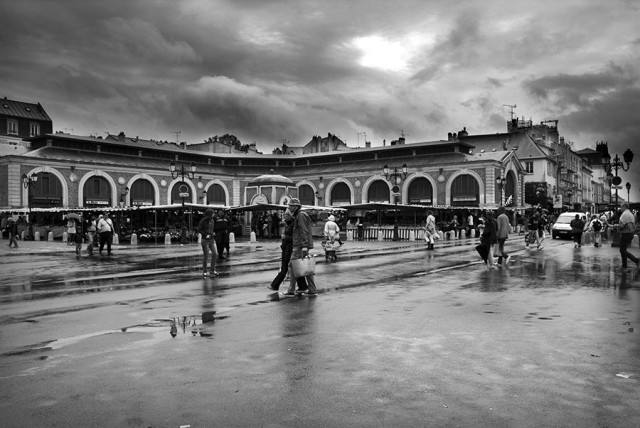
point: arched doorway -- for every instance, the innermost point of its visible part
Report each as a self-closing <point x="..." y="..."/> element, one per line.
<point x="340" y="194"/>
<point x="420" y="192"/>
<point x="465" y="191"/>
<point x="378" y="192"/>
<point x="306" y="195"/>
<point x="142" y="193"/>
<point x="216" y="195"/>
<point x="179" y="188"/>
<point x="46" y="191"/>
<point x="97" y="193"/>
<point x="510" y="196"/>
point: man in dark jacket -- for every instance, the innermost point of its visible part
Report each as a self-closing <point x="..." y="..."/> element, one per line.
<point x="205" y="229"/>
<point x="287" y="249"/>
<point x="302" y="243"/>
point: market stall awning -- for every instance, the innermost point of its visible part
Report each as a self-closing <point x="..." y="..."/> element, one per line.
<point x="381" y="206"/>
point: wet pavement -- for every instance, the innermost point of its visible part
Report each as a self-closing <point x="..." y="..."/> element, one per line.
<point x="399" y="336"/>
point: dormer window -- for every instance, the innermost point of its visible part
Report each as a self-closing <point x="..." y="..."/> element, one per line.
<point x="12" y="127"/>
<point x="34" y="129"/>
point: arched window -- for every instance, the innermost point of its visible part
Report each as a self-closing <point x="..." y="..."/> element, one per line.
<point x="47" y="191"/>
<point x="420" y="192"/>
<point x="142" y="193"/>
<point x="216" y="195"/>
<point x="97" y="192"/>
<point x="306" y="195"/>
<point x="378" y="192"/>
<point x="340" y="194"/>
<point x="465" y="191"/>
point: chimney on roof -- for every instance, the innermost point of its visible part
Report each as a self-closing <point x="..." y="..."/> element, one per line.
<point x="183" y="145"/>
<point x="367" y="143"/>
<point x="121" y="136"/>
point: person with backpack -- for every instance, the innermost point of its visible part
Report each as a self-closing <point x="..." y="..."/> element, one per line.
<point x="595" y="226"/>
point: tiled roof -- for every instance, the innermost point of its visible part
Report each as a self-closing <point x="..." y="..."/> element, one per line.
<point x="23" y="110"/>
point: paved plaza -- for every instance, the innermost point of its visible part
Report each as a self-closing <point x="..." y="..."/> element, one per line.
<point x="399" y="336"/>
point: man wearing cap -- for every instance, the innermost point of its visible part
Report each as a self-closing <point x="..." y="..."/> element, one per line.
<point x="302" y="243"/>
<point x="206" y="231"/>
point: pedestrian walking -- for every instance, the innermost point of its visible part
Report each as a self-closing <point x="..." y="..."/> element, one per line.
<point x="577" y="227"/>
<point x="208" y="243"/>
<point x="71" y="231"/>
<point x="595" y="227"/>
<point x="302" y="243"/>
<point x="91" y="233"/>
<point x="221" y="232"/>
<point x="12" y="228"/>
<point x="502" y="235"/>
<point x="488" y="238"/>
<point x="287" y="248"/>
<point x="105" y="229"/>
<point x="331" y="230"/>
<point x="430" y="230"/>
<point x="627" y="228"/>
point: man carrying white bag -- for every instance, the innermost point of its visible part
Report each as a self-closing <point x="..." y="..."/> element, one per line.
<point x="301" y="264"/>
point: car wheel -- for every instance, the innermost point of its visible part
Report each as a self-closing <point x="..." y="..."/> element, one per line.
<point x="554" y="235"/>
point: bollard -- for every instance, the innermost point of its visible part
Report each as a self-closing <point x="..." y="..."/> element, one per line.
<point x="380" y="235"/>
<point x="36" y="236"/>
<point x="199" y="238"/>
<point x="232" y="238"/>
<point x="634" y="242"/>
<point x="441" y="235"/>
<point x="50" y="237"/>
<point x="115" y="239"/>
<point x="134" y="239"/>
<point x="349" y="235"/>
<point x="252" y="237"/>
<point x="472" y="233"/>
<point x="65" y="237"/>
<point x="167" y="239"/>
<point x="412" y="235"/>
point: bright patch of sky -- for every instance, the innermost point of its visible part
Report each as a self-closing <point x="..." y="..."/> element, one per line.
<point x="389" y="54"/>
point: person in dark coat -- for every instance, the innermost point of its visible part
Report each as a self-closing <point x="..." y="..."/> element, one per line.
<point x="221" y="230"/>
<point x="302" y="243"/>
<point x="577" y="227"/>
<point x="287" y="249"/>
<point x="489" y="238"/>
<point x="205" y="229"/>
<point x="12" y="228"/>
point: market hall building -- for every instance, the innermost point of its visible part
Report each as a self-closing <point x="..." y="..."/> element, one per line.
<point x="76" y="172"/>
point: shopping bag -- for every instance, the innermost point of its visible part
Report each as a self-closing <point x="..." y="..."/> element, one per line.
<point x="483" y="251"/>
<point x="303" y="267"/>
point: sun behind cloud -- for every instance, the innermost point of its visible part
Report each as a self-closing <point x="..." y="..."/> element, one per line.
<point x="387" y="54"/>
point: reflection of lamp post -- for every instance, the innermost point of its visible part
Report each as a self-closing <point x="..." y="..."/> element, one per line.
<point x="628" y="186"/>
<point x="29" y="181"/>
<point x="500" y="182"/>
<point x="615" y="165"/>
<point x="396" y="178"/>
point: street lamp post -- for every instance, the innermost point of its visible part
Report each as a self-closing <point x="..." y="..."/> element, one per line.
<point x="184" y="193"/>
<point x="617" y="164"/>
<point x="396" y="178"/>
<point x="175" y="173"/>
<point x="29" y="181"/>
<point x="500" y="182"/>
<point x="628" y="186"/>
<point x="123" y="203"/>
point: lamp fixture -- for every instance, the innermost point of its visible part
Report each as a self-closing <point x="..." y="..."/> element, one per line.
<point x="175" y="173"/>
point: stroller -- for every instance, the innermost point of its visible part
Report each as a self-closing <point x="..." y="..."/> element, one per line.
<point x="330" y="251"/>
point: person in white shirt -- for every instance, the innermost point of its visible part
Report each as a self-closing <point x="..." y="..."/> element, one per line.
<point x="627" y="228"/>
<point x="105" y="229"/>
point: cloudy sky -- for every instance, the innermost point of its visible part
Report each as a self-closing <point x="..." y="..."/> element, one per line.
<point x="267" y="70"/>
